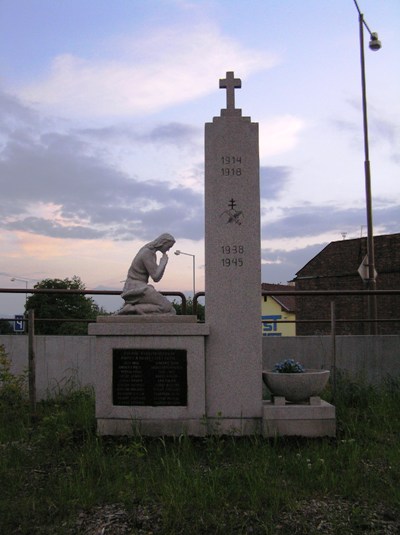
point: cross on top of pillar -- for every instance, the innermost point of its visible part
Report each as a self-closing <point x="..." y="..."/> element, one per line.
<point x="230" y="83"/>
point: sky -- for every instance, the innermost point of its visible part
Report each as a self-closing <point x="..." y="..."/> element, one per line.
<point x="102" y="113"/>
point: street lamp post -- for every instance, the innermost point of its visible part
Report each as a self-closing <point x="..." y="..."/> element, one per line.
<point x="374" y="44"/>
<point x="13" y="279"/>
<point x="194" y="268"/>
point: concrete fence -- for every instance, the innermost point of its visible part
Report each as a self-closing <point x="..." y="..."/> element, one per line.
<point x="64" y="362"/>
<point x="370" y="358"/>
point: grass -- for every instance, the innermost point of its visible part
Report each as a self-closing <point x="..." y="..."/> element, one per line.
<point x="58" y="477"/>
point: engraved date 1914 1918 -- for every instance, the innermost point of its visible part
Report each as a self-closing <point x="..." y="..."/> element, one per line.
<point x="231" y="258"/>
<point x="231" y="165"/>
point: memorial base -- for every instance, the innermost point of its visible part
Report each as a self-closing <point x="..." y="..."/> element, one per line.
<point x="233" y="426"/>
<point x="315" y="419"/>
<point x="150" y="375"/>
<point x="152" y="427"/>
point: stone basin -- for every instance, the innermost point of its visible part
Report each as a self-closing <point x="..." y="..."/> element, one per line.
<point x="296" y="387"/>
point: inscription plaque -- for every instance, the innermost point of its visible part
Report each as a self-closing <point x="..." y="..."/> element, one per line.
<point x="154" y="377"/>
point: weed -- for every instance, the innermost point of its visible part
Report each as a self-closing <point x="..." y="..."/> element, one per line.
<point x="56" y="472"/>
<point x="13" y="399"/>
<point x="12" y="387"/>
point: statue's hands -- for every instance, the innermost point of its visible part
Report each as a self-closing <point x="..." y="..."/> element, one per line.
<point x="164" y="259"/>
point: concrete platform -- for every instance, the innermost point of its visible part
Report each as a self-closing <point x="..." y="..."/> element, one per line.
<point x="147" y="318"/>
<point x="306" y="420"/>
<point x="143" y="326"/>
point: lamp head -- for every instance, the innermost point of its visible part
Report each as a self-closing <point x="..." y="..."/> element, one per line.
<point x="12" y="279"/>
<point x="177" y="252"/>
<point x="374" y="43"/>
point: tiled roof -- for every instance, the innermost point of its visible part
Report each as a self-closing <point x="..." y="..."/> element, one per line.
<point x="288" y="302"/>
<point x="341" y="258"/>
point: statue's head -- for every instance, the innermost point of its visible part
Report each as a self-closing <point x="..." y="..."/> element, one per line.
<point x="163" y="243"/>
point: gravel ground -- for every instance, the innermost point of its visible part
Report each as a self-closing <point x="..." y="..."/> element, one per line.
<point x="338" y="516"/>
<point x="330" y="516"/>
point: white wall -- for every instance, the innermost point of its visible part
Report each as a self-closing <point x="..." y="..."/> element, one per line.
<point x="64" y="361"/>
<point x="61" y="361"/>
<point x="372" y="358"/>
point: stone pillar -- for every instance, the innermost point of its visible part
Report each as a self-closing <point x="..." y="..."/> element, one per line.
<point x="233" y="269"/>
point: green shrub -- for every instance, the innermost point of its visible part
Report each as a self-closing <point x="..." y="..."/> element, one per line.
<point x="13" y="388"/>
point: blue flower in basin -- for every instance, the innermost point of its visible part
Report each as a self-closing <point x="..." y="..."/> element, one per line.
<point x="289" y="366"/>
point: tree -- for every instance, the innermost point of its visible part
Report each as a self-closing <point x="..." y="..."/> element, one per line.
<point x="189" y="308"/>
<point x="5" y="327"/>
<point x="61" y="306"/>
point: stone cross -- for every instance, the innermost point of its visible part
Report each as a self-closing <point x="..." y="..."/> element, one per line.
<point x="230" y="83"/>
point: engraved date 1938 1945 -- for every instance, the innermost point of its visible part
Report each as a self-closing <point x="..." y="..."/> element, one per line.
<point x="231" y="258"/>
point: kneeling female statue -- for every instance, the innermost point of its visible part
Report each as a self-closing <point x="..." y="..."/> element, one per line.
<point x="141" y="297"/>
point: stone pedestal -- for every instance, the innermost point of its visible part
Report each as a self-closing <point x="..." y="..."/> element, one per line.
<point x="314" y="419"/>
<point x="150" y="375"/>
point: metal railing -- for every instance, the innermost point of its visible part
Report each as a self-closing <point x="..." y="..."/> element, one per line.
<point x="30" y="320"/>
<point x="320" y="293"/>
<point x="181" y="295"/>
<point x="66" y="291"/>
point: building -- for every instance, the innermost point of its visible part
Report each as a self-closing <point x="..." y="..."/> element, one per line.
<point x="275" y="308"/>
<point x="336" y="267"/>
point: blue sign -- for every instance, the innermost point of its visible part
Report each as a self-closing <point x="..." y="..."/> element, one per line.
<point x="19" y="324"/>
<point x="270" y="325"/>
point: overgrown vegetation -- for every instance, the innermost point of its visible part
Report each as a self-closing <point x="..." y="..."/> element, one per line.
<point x="58" y="477"/>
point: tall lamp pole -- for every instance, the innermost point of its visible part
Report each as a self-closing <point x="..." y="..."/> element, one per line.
<point x="374" y="44"/>
<point x="194" y="268"/>
<point x="13" y="279"/>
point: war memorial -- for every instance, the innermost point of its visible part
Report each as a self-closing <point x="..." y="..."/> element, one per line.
<point x="158" y="373"/>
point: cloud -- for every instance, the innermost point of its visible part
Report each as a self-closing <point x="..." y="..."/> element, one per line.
<point x="46" y="227"/>
<point x="281" y="266"/>
<point x="280" y="134"/>
<point x="273" y="181"/>
<point x="173" y="133"/>
<point x="311" y="221"/>
<point x="382" y="130"/>
<point x="56" y="184"/>
<point x="171" y="65"/>
<point x="13" y="113"/>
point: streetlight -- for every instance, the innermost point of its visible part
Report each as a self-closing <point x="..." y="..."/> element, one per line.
<point x="13" y="279"/>
<point x="374" y="44"/>
<point x="194" y="268"/>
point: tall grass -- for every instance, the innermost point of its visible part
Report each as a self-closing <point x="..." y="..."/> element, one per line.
<point x="56" y="467"/>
